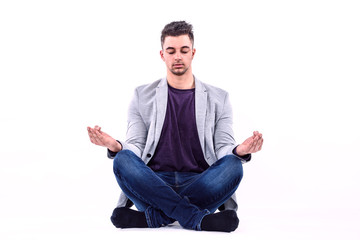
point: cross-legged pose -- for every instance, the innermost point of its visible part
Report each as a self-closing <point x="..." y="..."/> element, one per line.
<point x="180" y="161"/>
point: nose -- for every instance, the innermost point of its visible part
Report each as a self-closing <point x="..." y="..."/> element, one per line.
<point x="178" y="56"/>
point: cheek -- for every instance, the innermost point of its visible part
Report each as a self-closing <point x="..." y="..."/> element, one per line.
<point x="169" y="60"/>
<point x="189" y="58"/>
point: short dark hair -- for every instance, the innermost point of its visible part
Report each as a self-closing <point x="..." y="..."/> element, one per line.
<point x="177" y="28"/>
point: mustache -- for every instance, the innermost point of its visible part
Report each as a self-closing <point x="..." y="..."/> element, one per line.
<point x="177" y="63"/>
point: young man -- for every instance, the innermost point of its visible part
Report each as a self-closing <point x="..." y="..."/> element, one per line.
<point x="180" y="161"/>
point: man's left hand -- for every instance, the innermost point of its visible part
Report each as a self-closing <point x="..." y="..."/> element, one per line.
<point x="250" y="145"/>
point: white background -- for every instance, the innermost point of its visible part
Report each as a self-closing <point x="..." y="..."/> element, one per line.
<point x="290" y="67"/>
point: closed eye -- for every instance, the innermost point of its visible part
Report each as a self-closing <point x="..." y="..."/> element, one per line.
<point x="184" y="50"/>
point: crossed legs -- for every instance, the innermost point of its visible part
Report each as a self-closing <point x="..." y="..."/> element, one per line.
<point x="191" y="204"/>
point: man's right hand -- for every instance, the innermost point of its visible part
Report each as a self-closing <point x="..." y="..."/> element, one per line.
<point x="100" y="138"/>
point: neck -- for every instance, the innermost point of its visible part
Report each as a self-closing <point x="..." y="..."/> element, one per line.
<point x="185" y="81"/>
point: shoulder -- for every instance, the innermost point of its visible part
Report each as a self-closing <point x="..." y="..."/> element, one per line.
<point x="148" y="87"/>
<point x="213" y="92"/>
<point x="144" y="97"/>
<point x="147" y="92"/>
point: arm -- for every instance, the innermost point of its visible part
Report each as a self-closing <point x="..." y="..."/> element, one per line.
<point x="224" y="141"/>
<point x="136" y="134"/>
<point x="223" y="137"/>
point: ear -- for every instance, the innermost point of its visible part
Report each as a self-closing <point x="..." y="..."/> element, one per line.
<point x="193" y="53"/>
<point x="162" y="55"/>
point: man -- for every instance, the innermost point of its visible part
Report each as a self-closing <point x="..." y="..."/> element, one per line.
<point x="180" y="161"/>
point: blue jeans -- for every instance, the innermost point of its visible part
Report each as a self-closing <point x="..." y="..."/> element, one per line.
<point x="185" y="197"/>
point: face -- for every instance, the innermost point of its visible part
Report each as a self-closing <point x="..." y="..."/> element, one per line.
<point x="177" y="53"/>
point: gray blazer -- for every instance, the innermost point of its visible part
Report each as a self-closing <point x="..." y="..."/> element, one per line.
<point x="213" y="119"/>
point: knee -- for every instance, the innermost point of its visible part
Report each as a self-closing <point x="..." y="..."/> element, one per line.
<point x="234" y="166"/>
<point x="119" y="160"/>
<point x="123" y="161"/>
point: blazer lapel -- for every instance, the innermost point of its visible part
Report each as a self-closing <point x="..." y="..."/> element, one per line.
<point x="161" y="104"/>
<point x="200" y="109"/>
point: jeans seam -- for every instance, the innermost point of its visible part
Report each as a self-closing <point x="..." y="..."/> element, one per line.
<point x="148" y="219"/>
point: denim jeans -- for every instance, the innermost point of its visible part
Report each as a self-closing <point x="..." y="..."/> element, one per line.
<point x="185" y="197"/>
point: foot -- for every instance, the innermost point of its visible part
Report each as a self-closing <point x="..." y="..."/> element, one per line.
<point x="127" y="218"/>
<point x="225" y="221"/>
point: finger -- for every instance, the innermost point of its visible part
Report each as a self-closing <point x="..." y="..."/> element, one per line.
<point x="99" y="133"/>
<point x="93" y="137"/>
<point x="103" y="138"/>
<point x="96" y="138"/>
<point x="257" y="143"/>
<point x="97" y="128"/>
<point x="252" y="146"/>
<point x="248" y="142"/>
<point x="256" y="139"/>
<point x="260" y="144"/>
<point x="89" y="132"/>
<point x="258" y="134"/>
<point x="89" y="129"/>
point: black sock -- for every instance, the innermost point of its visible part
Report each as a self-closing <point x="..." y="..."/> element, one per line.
<point x="127" y="218"/>
<point x="225" y="221"/>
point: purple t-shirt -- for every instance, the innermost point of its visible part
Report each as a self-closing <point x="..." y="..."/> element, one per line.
<point x="179" y="148"/>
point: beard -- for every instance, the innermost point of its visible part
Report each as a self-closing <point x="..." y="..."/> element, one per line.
<point x="179" y="72"/>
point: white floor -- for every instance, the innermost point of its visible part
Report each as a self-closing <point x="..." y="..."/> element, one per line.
<point x="264" y="224"/>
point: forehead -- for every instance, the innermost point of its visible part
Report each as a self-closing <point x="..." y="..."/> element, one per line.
<point x="177" y="42"/>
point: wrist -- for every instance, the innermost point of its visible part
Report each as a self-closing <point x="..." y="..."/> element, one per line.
<point x="117" y="147"/>
<point x="239" y="152"/>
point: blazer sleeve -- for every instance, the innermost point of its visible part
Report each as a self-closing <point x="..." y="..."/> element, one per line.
<point x="136" y="129"/>
<point x="224" y="140"/>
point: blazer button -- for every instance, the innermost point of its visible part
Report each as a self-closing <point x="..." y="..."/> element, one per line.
<point x="148" y="155"/>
